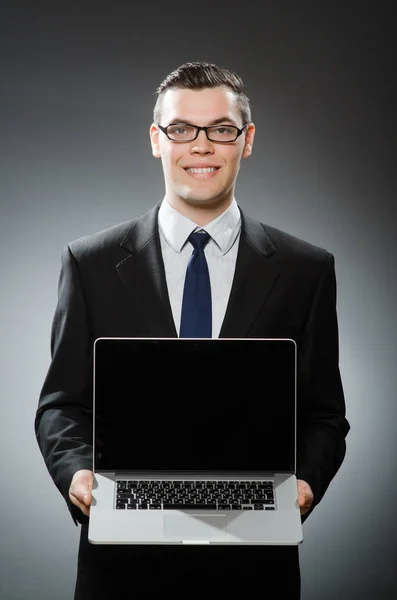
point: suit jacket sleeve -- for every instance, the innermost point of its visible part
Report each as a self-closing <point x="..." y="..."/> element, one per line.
<point x="63" y="423"/>
<point x="322" y="426"/>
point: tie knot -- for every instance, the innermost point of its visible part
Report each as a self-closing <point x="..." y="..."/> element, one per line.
<point x="199" y="239"/>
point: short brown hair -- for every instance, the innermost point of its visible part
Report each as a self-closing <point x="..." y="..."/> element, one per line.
<point x="199" y="75"/>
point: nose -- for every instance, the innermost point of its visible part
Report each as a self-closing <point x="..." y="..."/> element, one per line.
<point x="202" y="145"/>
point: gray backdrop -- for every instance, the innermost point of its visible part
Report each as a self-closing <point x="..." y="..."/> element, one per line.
<point x="77" y="91"/>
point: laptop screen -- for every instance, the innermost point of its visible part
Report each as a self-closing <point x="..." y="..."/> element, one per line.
<point x="203" y="405"/>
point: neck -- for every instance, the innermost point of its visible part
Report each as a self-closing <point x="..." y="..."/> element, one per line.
<point x="199" y="213"/>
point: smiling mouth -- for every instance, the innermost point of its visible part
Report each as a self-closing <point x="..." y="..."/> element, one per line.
<point x="202" y="172"/>
<point x="201" y="169"/>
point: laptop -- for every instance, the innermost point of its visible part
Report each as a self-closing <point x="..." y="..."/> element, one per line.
<point x="194" y="442"/>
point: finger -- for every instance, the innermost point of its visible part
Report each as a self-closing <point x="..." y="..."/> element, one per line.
<point x="304" y="509"/>
<point x="304" y="502"/>
<point x="82" y="492"/>
<point x="83" y="478"/>
<point x="83" y="507"/>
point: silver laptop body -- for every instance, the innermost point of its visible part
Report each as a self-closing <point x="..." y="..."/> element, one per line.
<point x="194" y="442"/>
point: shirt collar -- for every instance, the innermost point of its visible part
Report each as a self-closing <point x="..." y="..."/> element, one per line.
<point x="176" y="228"/>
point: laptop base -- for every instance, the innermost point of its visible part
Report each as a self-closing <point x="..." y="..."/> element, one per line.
<point x="216" y="527"/>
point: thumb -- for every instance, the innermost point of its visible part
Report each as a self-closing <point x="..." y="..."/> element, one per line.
<point x="82" y="491"/>
<point x="82" y="485"/>
<point x="87" y="496"/>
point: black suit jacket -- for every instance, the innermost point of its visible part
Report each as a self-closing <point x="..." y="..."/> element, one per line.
<point x="113" y="284"/>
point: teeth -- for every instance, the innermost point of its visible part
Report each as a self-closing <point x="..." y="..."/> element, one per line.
<point x="207" y="170"/>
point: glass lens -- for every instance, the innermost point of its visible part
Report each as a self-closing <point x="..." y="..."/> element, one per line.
<point x="222" y="133"/>
<point x="181" y="132"/>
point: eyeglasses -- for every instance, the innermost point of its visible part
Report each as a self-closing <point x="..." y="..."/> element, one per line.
<point x="184" y="132"/>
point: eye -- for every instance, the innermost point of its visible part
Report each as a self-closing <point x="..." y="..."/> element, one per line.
<point x="225" y="130"/>
<point x="180" y="130"/>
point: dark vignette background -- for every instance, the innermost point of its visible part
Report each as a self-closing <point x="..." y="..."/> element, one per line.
<point x="77" y="91"/>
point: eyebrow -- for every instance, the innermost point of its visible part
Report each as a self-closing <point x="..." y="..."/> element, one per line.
<point x="214" y="122"/>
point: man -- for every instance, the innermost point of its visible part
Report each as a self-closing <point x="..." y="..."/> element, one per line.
<point x="128" y="281"/>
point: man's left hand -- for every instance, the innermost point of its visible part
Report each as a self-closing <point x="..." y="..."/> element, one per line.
<point x="305" y="496"/>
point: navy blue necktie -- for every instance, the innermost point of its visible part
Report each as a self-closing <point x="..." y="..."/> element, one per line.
<point x="196" y="317"/>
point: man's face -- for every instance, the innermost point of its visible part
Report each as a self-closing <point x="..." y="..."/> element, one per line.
<point x="200" y="107"/>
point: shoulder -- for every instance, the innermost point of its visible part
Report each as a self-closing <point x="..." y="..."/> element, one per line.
<point x="292" y="245"/>
<point x="294" y="257"/>
<point x="100" y="241"/>
<point x="118" y="240"/>
<point x="280" y="244"/>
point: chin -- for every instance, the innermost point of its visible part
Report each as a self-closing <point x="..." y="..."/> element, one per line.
<point x="195" y="198"/>
<point x="199" y="200"/>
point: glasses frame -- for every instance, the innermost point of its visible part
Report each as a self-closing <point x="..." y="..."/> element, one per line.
<point x="198" y="129"/>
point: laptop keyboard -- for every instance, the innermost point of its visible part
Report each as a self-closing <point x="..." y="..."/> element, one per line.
<point x="196" y="495"/>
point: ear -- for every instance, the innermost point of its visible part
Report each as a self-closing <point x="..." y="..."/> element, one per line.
<point x="249" y="140"/>
<point x="154" y="140"/>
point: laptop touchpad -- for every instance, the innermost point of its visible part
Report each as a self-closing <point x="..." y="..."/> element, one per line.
<point x="193" y="527"/>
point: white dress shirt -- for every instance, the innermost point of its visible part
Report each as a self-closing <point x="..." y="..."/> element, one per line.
<point x="220" y="252"/>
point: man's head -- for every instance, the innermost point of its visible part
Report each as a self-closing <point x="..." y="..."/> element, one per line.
<point x="200" y="75"/>
<point x="201" y="95"/>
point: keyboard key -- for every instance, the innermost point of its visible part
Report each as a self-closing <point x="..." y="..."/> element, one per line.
<point x="168" y="506"/>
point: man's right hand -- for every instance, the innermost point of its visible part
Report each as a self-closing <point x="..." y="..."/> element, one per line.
<point x="80" y="490"/>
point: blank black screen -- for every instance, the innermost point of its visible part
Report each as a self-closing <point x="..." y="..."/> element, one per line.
<point x="178" y="404"/>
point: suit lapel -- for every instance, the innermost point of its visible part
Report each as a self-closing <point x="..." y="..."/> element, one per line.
<point x="143" y="274"/>
<point x="254" y="279"/>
